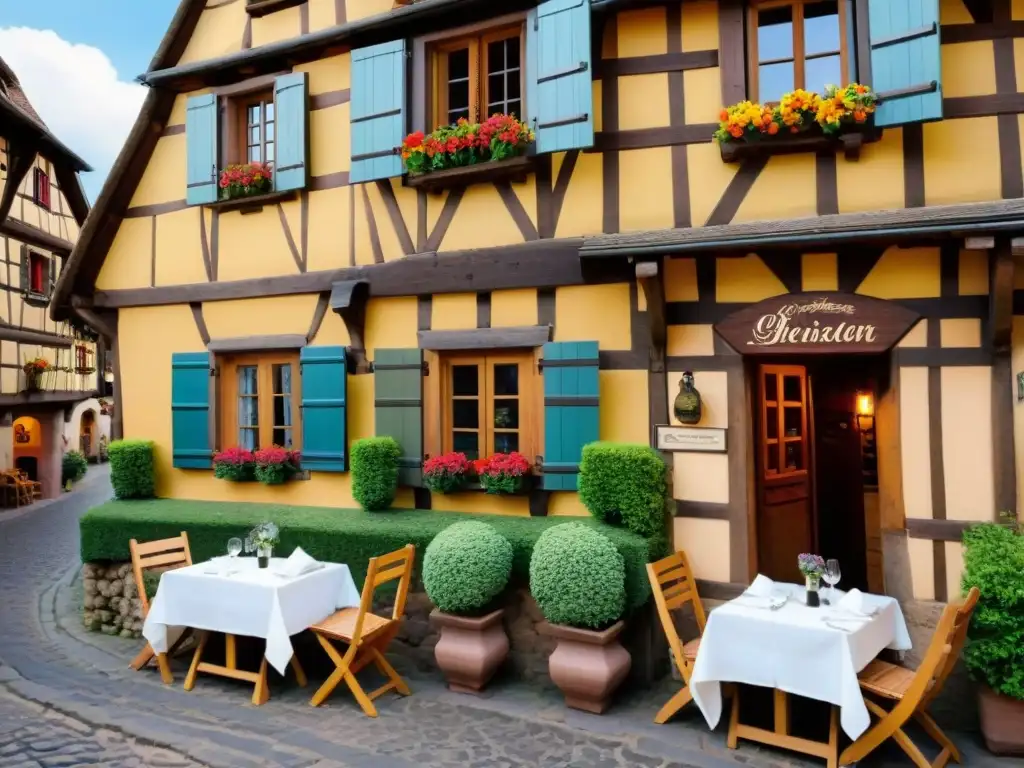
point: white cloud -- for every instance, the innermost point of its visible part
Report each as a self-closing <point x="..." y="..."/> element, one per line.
<point x="75" y="89"/>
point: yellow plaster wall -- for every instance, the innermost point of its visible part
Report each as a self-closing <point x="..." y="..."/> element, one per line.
<point x="967" y="442"/>
<point x="453" y="312"/>
<point x="164" y="178"/>
<point x="624" y="412"/>
<point x="514" y="308"/>
<point x="953" y="175"/>
<point x="641" y="33"/>
<point x="329" y="227"/>
<point x="680" y="279"/>
<point x="645" y="189"/>
<point x="702" y="476"/>
<point x="745" y="279"/>
<point x="968" y="69"/>
<point x="1017" y="364"/>
<point x="581" y="211"/>
<point x="922" y="568"/>
<point x="274" y="27"/>
<point x="904" y="273"/>
<point x="785" y="189"/>
<point x="128" y="261"/>
<point x="879" y="160"/>
<point x="643" y="101"/>
<point x="914" y="442"/>
<point x="594" y="313"/>
<point x="390" y="324"/>
<point x="706" y="543"/>
<point x="700" y="25"/>
<point x="255" y="245"/>
<point x="973" y="273"/>
<point x="687" y="340"/>
<point x="256" y="317"/>
<point x="179" y="251"/>
<point x="218" y="32"/>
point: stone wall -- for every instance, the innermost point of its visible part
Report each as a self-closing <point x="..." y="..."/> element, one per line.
<point x="111" y="601"/>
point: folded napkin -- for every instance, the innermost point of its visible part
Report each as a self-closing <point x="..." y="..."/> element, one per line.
<point x="299" y="564"/>
<point x="854" y="602"/>
<point x="762" y="586"/>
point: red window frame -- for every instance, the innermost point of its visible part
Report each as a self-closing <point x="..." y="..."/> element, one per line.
<point x="41" y="193"/>
<point x="39" y="268"/>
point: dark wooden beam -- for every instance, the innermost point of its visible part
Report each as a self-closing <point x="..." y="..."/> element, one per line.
<point x="648" y="276"/>
<point x="23" y="336"/>
<point x="20" y="158"/>
<point x="47" y="398"/>
<point x="1000" y="329"/>
<point x="97" y="322"/>
<point x="980" y="10"/>
<point x="938" y="530"/>
<point x="26" y="233"/>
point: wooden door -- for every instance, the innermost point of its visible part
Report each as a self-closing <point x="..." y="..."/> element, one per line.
<point x="785" y="521"/>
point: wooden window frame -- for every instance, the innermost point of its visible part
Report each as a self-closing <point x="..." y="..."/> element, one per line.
<point x="799" y="52"/>
<point x="33" y="258"/>
<point x="428" y="101"/>
<point x="437" y="400"/>
<point x="227" y="408"/>
<point x="232" y="102"/>
<point x="41" y="188"/>
<point x="780" y="441"/>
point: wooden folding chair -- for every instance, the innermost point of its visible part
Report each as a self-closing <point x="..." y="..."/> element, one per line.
<point x="22" y="490"/>
<point x="914" y="691"/>
<point x="35" y="488"/>
<point x="367" y="634"/>
<point x="167" y="554"/>
<point x="673" y="586"/>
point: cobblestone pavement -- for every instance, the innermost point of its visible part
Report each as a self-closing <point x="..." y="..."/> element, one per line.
<point x="68" y="699"/>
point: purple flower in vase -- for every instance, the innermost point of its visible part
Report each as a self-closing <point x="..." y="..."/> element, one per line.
<point x="810" y="565"/>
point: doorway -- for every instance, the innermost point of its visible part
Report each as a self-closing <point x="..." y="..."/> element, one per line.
<point x="816" y="468"/>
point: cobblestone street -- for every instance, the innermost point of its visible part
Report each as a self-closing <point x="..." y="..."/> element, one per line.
<point x="67" y="697"/>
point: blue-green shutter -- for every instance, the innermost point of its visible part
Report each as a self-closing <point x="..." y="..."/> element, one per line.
<point x="190" y="410"/>
<point x="398" y="405"/>
<point x="291" y="123"/>
<point x="559" y="87"/>
<point x="324" y="430"/>
<point x="378" y="111"/>
<point x="571" y="416"/>
<point x="201" y="148"/>
<point x="906" y="63"/>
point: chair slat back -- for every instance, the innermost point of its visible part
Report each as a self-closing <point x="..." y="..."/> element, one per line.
<point x="381" y="570"/>
<point x="673" y="586"/>
<point x="955" y="638"/>
<point x="938" y="650"/>
<point x="164" y="553"/>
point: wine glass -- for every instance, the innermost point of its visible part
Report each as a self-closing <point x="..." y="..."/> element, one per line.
<point x="832" y="576"/>
<point x="234" y="548"/>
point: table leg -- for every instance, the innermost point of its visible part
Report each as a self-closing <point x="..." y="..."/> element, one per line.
<point x="781" y="712"/>
<point x="165" y="668"/>
<point x="261" y="694"/>
<point x="230" y="654"/>
<point x="193" y="670"/>
<point x="300" y="673"/>
<point x="833" y="738"/>
<point x="779" y="736"/>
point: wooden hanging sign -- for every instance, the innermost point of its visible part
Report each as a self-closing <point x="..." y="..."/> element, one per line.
<point x="817" y="324"/>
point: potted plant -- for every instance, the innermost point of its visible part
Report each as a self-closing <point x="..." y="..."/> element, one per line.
<point x="578" y="579"/>
<point x="246" y="180"/>
<point x="375" y="472"/>
<point x="503" y="473"/>
<point x="275" y="465"/>
<point x="466" y="567"/>
<point x="500" y="137"/>
<point x="446" y="473"/>
<point x="235" y="464"/>
<point x="34" y="369"/>
<point x="262" y="539"/>
<point x="994" y="653"/>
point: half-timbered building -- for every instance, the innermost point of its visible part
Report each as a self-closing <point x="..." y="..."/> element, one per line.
<point x="49" y="370"/>
<point x="846" y="306"/>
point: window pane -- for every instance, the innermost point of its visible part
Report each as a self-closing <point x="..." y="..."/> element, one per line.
<point x="454" y="115"/>
<point x="515" y="107"/>
<point x="821" y="72"/>
<point x="512" y="85"/>
<point x="269" y="105"/>
<point x="254" y="114"/>
<point x="248" y="439"/>
<point x="775" y="33"/>
<point x="496" y="89"/>
<point x="821" y="27"/>
<point x="467" y="443"/>
<point x="512" y="52"/>
<point x="269" y="154"/>
<point x="254" y="154"/>
<point x="506" y="414"/>
<point x="282" y="412"/>
<point x="506" y="442"/>
<point x="283" y="437"/>
<point x="496" y="56"/>
<point x="282" y="380"/>
<point x="458" y="64"/>
<point x="506" y="379"/>
<point x="270" y="131"/>
<point x="466" y="414"/>
<point x="775" y="80"/>
<point x="791" y="389"/>
<point x="465" y="380"/>
<point x="247" y="380"/>
<point x="458" y="95"/>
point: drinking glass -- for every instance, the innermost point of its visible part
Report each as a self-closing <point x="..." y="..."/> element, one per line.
<point x="832" y="576"/>
<point x="234" y="548"/>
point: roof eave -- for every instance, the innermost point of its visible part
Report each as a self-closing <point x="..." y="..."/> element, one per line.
<point x="48" y="140"/>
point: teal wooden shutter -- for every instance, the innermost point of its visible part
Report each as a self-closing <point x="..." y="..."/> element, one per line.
<point x="201" y="148"/>
<point x="571" y="417"/>
<point x="559" y="88"/>
<point x="190" y="410"/>
<point x="291" y="124"/>
<point x="378" y="111"/>
<point x="906" y="64"/>
<point x="324" y="424"/>
<point x="398" y="404"/>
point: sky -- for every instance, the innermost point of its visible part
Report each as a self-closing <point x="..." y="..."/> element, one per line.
<point x="78" y="61"/>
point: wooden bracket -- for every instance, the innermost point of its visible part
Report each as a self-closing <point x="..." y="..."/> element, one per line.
<point x="353" y="314"/>
<point x="648" y="277"/>
<point x="1001" y="268"/>
<point x="97" y="322"/>
<point x="979" y="243"/>
<point x="20" y="157"/>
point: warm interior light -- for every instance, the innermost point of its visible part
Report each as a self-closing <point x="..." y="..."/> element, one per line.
<point x="865" y="404"/>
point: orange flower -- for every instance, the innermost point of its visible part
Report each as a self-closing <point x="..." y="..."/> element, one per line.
<point x="861" y="89"/>
<point x="723" y="115"/>
<point x="859" y="115"/>
<point x="773" y="128"/>
<point x="735" y="131"/>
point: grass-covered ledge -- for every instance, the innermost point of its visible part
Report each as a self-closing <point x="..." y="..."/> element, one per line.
<point x="337" y="535"/>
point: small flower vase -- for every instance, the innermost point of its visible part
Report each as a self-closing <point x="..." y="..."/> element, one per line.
<point x="813" y="583"/>
<point x="263" y="556"/>
<point x="687" y="404"/>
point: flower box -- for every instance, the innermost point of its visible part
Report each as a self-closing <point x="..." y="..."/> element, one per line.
<point x="504" y="474"/>
<point x="849" y="143"/>
<point x="252" y="204"/>
<point x="248" y="187"/>
<point x="34" y="299"/>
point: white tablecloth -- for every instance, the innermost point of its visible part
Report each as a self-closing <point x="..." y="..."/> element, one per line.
<point x="243" y="599"/>
<point x="794" y="650"/>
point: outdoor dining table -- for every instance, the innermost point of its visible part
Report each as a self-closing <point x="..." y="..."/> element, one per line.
<point x="794" y="649"/>
<point x="236" y="597"/>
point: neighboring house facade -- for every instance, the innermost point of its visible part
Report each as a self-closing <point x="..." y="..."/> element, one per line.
<point x="542" y="303"/>
<point x="42" y="208"/>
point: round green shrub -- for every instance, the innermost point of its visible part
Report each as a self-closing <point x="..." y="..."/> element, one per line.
<point x="466" y="566"/>
<point x="578" y="577"/>
<point x="73" y="467"/>
<point x="375" y="472"/>
<point x="624" y="483"/>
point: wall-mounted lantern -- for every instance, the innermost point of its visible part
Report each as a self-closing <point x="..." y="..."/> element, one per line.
<point x="865" y="411"/>
<point x="687" y="405"/>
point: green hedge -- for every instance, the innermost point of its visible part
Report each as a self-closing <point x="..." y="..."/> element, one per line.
<point x="336" y="535"/>
<point x="466" y="566"/>
<point x="73" y="467"/>
<point x="375" y="472"/>
<point x="624" y="483"/>
<point x="132" y="470"/>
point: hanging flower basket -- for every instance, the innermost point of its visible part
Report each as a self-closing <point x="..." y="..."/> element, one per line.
<point x="34" y="370"/>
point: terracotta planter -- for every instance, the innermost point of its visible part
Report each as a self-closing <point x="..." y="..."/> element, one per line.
<point x="587" y="666"/>
<point x="1002" y="722"/>
<point x="470" y="650"/>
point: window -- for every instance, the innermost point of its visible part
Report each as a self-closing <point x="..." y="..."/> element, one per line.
<point x="256" y="122"/>
<point x="795" y="44"/>
<point x="38" y="273"/>
<point x="489" y="405"/>
<point x="41" y="188"/>
<point x="260" y="401"/>
<point x="476" y="77"/>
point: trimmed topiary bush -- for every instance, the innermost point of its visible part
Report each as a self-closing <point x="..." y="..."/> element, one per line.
<point x="74" y="465"/>
<point x="466" y="566"/>
<point x="132" y="470"/>
<point x="578" y="577"/>
<point x="994" y="563"/>
<point x="623" y="483"/>
<point x="375" y="472"/>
